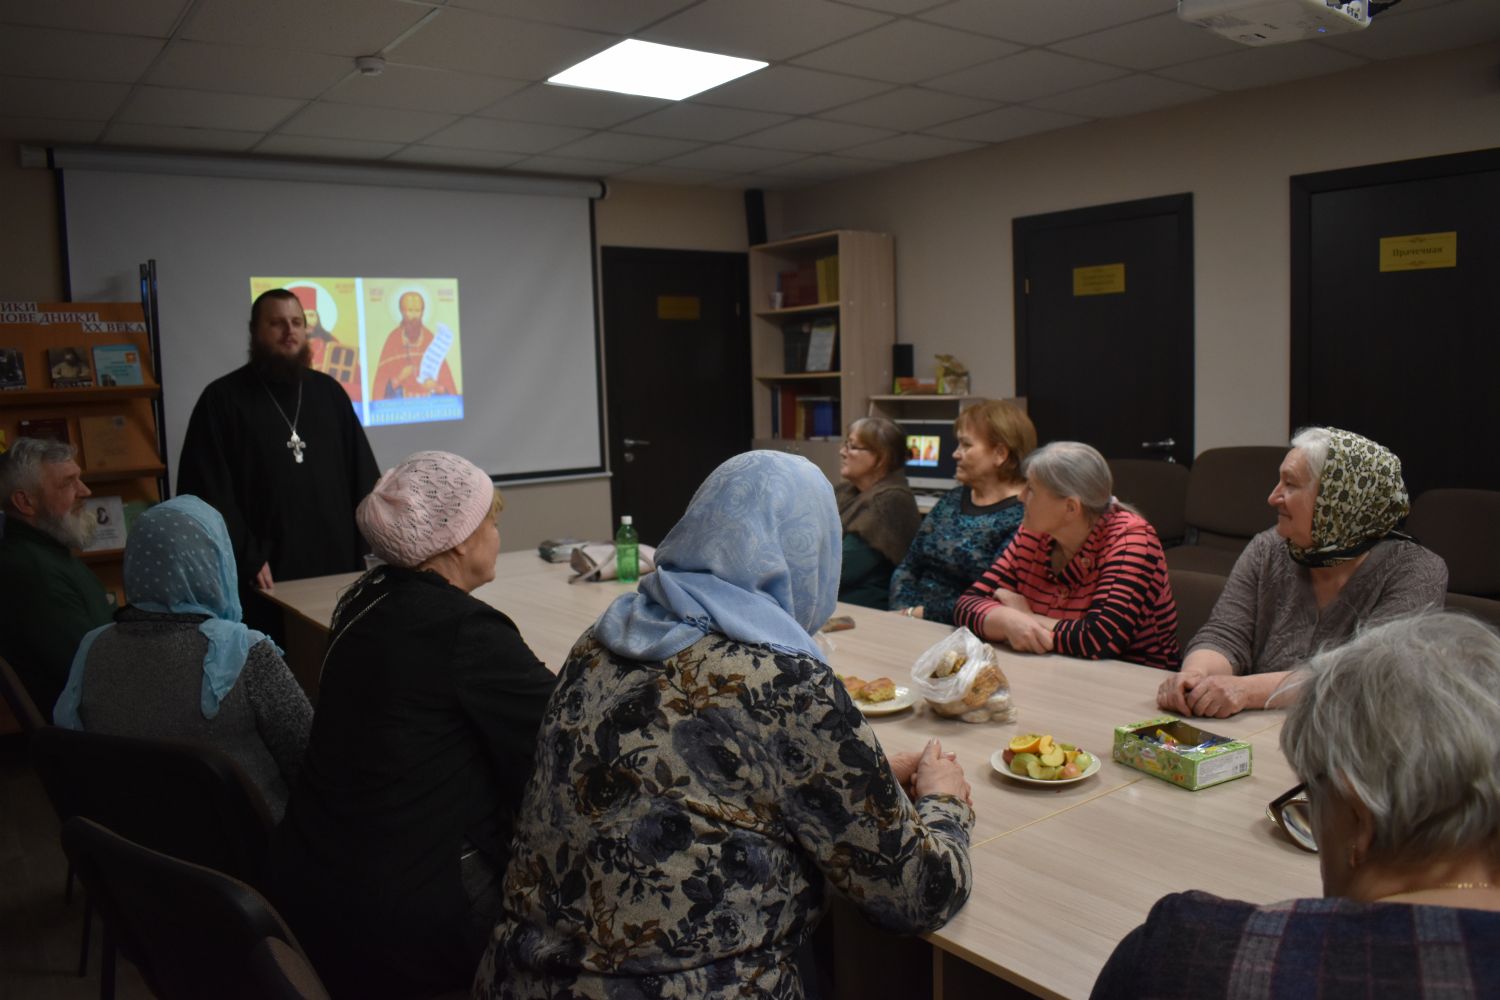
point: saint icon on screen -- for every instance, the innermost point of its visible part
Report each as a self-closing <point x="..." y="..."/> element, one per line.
<point x="413" y="361"/>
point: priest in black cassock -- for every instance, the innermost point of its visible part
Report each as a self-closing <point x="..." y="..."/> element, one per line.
<point x="277" y="449"/>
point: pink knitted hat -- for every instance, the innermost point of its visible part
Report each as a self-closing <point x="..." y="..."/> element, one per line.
<point x="426" y="505"/>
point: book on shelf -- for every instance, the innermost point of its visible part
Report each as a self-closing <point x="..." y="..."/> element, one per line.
<point x="12" y="369"/>
<point x="828" y="278"/>
<point x="69" y="368"/>
<point x="115" y="442"/>
<point x="118" y="364"/>
<point x="794" y="337"/>
<point x="817" y="417"/>
<point x="787" y="401"/>
<point x="822" y="335"/>
<point x="109" y="523"/>
<point x="45" y="429"/>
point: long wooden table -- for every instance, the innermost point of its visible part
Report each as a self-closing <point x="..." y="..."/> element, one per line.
<point x="1060" y="874"/>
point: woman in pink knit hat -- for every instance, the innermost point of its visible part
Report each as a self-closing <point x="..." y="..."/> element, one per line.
<point x="399" y="827"/>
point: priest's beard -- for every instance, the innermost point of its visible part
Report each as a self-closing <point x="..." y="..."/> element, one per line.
<point x="75" y="529"/>
<point x="277" y="367"/>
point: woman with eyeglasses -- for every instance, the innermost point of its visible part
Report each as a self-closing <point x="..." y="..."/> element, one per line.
<point x="1334" y="561"/>
<point x="1394" y="736"/>
<point x="876" y="508"/>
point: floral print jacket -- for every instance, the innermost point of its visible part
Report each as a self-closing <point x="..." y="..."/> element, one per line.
<point x="684" y="818"/>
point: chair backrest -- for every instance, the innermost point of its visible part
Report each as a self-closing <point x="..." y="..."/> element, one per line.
<point x="1196" y="594"/>
<point x="1226" y="496"/>
<point x="1158" y="490"/>
<point x="1462" y="526"/>
<point x="16" y="696"/>
<point x="191" y="802"/>
<point x="1483" y="608"/>
<point x="191" y="930"/>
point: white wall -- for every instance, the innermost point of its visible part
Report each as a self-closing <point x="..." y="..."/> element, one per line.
<point x="951" y="218"/>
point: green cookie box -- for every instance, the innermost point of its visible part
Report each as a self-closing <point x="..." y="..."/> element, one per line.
<point x="1190" y="769"/>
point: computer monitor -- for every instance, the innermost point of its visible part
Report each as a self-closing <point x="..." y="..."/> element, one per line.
<point x="929" y="453"/>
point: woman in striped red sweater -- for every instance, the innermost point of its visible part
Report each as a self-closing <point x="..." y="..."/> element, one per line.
<point x="1084" y="576"/>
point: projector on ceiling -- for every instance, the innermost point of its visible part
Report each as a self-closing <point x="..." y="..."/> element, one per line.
<point x="1271" y="22"/>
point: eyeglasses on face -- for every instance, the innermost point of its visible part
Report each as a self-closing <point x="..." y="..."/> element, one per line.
<point x="1293" y="813"/>
<point x="852" y="445"/>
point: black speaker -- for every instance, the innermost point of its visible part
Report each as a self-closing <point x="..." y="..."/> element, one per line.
<point x="903" y="362"/>
<point x="755" y="215"/>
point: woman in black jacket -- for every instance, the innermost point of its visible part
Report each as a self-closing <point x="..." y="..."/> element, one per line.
<point x="398" y="830"/>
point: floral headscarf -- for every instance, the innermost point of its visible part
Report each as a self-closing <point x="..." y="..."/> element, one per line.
<point x="1361" y="500"/>
<point x="756" y="558"/>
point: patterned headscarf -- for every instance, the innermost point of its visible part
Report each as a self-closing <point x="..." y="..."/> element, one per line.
<point x="179" y="560"/>
<point x="755" y="558"/>
<point x="1361" y="500"/>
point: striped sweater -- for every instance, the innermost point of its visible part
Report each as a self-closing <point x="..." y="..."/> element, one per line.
<point x="1113" y="600"/>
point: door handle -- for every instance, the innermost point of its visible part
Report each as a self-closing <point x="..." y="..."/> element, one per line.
<point x="1165" y="444"/>
<point x="635" y="442"/>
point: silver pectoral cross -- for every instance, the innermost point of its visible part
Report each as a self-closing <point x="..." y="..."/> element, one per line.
<point x="296" y="444"/>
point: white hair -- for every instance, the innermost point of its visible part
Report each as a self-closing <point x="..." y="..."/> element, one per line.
<point x="1313" y="442"/>
<point x="21" y="466"/>
<point x="1074" y="469"/>
<point x="1405" y="717"/>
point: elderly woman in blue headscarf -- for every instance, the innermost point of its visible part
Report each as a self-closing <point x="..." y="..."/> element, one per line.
<point x="178" y="664"/>
<point x="703" y="779"/>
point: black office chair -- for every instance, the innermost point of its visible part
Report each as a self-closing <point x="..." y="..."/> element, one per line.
<point x="188" y="801"/>
<point x="1226" y="506"/>
<point x="193" y="932"/>
<point x="1158" y="490"/>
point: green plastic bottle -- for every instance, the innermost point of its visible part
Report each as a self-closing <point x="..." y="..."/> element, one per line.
<point x="627" y="552"/>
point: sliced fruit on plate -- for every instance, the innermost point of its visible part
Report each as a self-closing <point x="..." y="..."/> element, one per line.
<point x="1026" y="742"/>
<point x="1021" y="762"/>
<point x="1054" y="757"/>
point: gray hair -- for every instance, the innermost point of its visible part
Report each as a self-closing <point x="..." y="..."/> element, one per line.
<point x="1313" y="442"/>
<point x="1074" y="469"/>
<point x="21" y="466"/>
<point x="1406" y="713"/>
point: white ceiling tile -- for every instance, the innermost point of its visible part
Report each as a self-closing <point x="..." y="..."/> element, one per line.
<point x="1005" y="124"/>
<point x="910" y="148"/>
<point x="333" y="149"/>
<point x="898" y="6"/>
<point x="355" y="121"/>
<point x="498" y="46"/>
<point x="659" y="174"/>
<point x="732" y="158"/>
<point x="624" y="148"/>
<point x="623" y="16"/>
<point x="685" y="120"/>
<point x="1164" y="40"/>
<point x="202" y="109"/>
<point x="1027" y="75"/>
<point x="765" y="29"/>
<point x="813" y="135"/>
<point x="417" y="88"/>
<point x="49" y="130"/>
<point x="247" y="69"/>
<point x="75" y="55"/>
<point x="439" y="156"/>
<point x="1401" y="32"/>
<point x="546" y="102"/>
<point x="153" y="18"/>
<point x="791" y="90"/>
<point x="908" y="109"/>
<point x="573" y="167"/>
<point x="1130" y="96"/>
<point x="905" y="52"/>
<point x="504" y="137"/>
<point x="338" y="27"/>
<point x="826" y="168"/>
<point x="84" y="101"/>
<point x="1261" y="67"/>
<point x="172" y="137"/>
<point x="765" y="182"/>
<point x="1038" y="22"/>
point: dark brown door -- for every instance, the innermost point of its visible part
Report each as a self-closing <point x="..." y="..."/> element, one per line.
<point x="677" y="371"/>
<point x="1409" y="355"/>
<point x="1104" y="326"/>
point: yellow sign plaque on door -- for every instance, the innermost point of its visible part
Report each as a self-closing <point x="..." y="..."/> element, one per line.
<point x="678" y="306"/>
<point x="1103" y="279"/>
<point x="1418" y="253"/>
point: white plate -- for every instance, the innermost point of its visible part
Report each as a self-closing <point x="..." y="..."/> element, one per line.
<point x="904" y="699"/>
<point x="997" y="761"/>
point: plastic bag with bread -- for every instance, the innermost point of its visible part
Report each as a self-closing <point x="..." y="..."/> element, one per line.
<point x="961" y="678"/>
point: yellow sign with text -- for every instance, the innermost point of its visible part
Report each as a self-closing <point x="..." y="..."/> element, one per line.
<point x="1103" y="279"/>
<point x="1418" y="253"/>
<point x="678" y="307"/>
